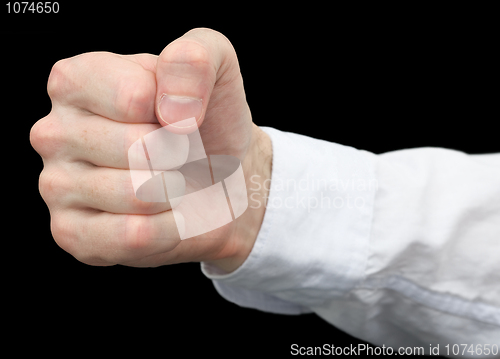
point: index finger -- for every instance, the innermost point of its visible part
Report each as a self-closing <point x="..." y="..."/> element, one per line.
<point x="105" y="84"/>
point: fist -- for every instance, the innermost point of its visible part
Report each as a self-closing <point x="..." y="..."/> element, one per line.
<point x="103" y="104"/>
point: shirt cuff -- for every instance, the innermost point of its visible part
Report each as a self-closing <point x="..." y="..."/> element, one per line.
<point x="313" y="242"/>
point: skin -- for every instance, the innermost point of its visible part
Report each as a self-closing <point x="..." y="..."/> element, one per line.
<point x="103" y="102"/>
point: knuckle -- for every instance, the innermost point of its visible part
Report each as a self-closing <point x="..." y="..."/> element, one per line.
<point x="53" y="185"/>
<point x="46" y="136"/>
<point x="57" y="82"/>
<point x="136" y="236"/>
<point x="132" y="134"/>
<point x="135" y="98"/>
<point x="36" y="135"/>
<point x="146" y="207"/>
<point x="139" y="206"/>
<point x="153" y="201"/>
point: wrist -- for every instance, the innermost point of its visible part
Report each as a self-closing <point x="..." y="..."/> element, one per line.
<point x="257" y="166"/>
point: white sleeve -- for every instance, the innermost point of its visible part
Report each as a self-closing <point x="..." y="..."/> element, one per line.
<point x="398" y="249"/>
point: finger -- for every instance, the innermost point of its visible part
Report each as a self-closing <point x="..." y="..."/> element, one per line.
<point x="92" y="139"/>
<point x="104" y="143"/>
<point x="95" y="237"/>
<point x="186" y="73"/>
<point x="106" y="84"/>
<point x="111" y="190"/>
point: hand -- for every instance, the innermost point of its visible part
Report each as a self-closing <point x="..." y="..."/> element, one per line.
<point x="101" y="104"/>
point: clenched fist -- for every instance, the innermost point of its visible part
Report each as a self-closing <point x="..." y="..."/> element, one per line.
<point x="101" y="104"/>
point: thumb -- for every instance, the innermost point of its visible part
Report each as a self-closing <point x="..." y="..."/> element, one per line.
<point x="186" y="73"/>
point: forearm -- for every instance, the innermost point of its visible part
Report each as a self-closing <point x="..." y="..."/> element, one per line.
<point x="347" y="231"/>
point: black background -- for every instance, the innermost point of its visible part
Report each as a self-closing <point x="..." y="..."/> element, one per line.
<point x="378" y="79"/>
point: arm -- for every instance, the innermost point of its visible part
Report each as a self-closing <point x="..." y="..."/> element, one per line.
<point x="397" y="249"/>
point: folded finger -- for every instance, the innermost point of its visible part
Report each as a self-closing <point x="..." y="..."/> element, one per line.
<point x="106" y="84"/>
<point x="106" y="143"/>
<point x="101" y="237"/>
<point x="111" y="190"/>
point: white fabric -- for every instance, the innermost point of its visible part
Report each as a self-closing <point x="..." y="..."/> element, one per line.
<point x="414" y="260"/>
